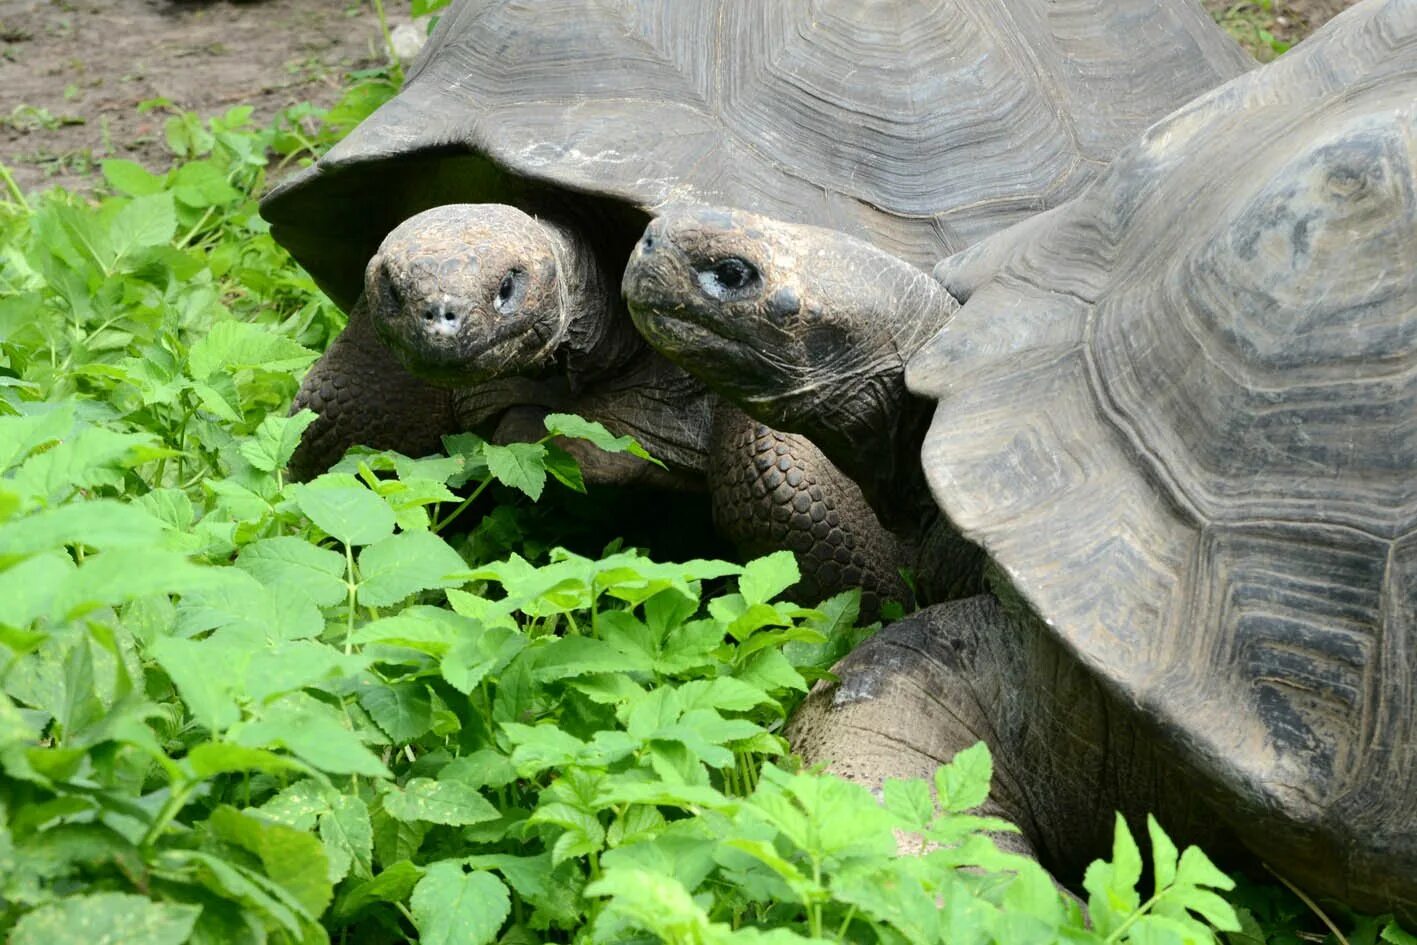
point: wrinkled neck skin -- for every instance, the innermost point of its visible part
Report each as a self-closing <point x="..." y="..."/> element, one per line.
<point x="597" y="338"/>
<point x="863" y="314"/>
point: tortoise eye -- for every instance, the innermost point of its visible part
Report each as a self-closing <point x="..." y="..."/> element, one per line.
<point x="729" y="278"/>
<point x="511" y="291"/>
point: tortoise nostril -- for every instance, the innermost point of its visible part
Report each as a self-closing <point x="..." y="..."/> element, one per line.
<point x="449" y="316"/>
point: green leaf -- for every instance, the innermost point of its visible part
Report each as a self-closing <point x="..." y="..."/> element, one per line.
<point x="315" y="733"/>
<point x="438" y="802"/>
<point x="1163" y="854"/>
<point x="145" y="221"/>
<point x="348" y="836"/>
<point x="583" y="832"/>
<point x="1111" y="886"/>
<point x="519" y="465"/>
<point x="403" y="710"/>
<point x="403" y="564"/>
<point x="393" y="884"/>
<point x="1196" y="869"/>
<point x="130" y="177"/>
<point x="963" y="784"/>
<point x="454" y="907"/>
<point x="564" y="468"/>
<point x="351" y="514"/>
<point x="276" y="440"/>
<point x="202" y="184"/>
<point x="213" y="758"/>
<point x="765" y="578"/>
<point x="127" y="574"/>
<point x="231" y="346"/>
<point x="294" y="566"/>
<point x="1393" y="933"/>
<point x="97" y="523"/>
<point x="565" y="424"/>
<point x="210" y="697"/>
<point x="292" y="858"/>
<point x="108" y="918"/>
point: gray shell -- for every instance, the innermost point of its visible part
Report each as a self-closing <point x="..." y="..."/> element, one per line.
<point x="922" y="126"/>
<point x="1181" y="414"/>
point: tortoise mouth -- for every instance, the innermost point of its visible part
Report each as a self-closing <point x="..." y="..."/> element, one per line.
<point x="455" y="349"/>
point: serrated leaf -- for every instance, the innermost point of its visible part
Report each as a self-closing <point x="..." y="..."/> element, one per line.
<point x="213" y="758"/>
<point x="1163" y="854"/>
<point x="130" y="177"/>
<point x="765" y="578"/>
<point x="563" y="468"/>
<point x="298" y="805"/>
<point x="107" y="918"/>
<point x="348" y="836"/>
<point x="294" y="566"/>
<point x="233" y="345"/>
<point x="438" y="802"/>
<point x="276" y="439"/>
<point x="351" y="514"/>
<point x="292" y="858"/>
<point x="539" y="747"/>
<point x="97" y="523"/>
<point x="519" y="465"/>
<point x="403" y="710"/>
<point x="393" y="568"/>
<point x="393" y="884"/>
<point x="963" y="784"/>
<point x="150" y="220"/>
<point x="315" y="733"/>
<point x="1196" y="869"/>
<point x="202" y="184"/>
<point x="570" y="425"/>
<point x="454" y="907"/>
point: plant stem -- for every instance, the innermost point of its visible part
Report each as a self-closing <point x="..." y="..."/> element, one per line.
<point x="353" y="586"/>
<point x="464" y="504"/>
<point x="175" y="802"/>
<point x="388" y="40"/>
<point x="14" y="188"/>
<point x="1313" y="906"/>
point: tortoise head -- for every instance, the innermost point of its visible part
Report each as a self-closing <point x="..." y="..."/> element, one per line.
<point x="805" y="328"/>
<point x="471" y="292"/>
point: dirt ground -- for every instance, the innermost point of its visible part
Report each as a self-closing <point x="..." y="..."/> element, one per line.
<point x="1287" y="21"/>
<point x="74" y="71"/>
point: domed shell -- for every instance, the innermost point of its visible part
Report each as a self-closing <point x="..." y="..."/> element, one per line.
<point x="1181" y="415"/>
<point x="921" y="125"/>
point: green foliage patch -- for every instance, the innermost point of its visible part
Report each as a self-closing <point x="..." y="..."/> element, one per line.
<point x="237" y="709"/>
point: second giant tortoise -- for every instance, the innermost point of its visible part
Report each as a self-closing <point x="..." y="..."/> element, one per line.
<point x="547" y="133"/>
<point x="1180" y="415"/>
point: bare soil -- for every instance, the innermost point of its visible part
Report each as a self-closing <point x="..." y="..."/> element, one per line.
<point x="1288" y="21"/>
<point x="73" y="72"/>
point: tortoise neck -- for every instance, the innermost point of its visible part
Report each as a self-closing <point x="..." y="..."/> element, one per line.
<point x="866" y="420"/>
<point x="596" y="336"/>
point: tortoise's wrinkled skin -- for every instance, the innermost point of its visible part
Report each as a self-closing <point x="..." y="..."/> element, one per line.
<point x="1178" y="413"/>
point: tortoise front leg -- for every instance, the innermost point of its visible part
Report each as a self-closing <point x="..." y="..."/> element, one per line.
<point x="773" y="490"/>
<point x="363" y="395"/>
<point x="911" y="697"/>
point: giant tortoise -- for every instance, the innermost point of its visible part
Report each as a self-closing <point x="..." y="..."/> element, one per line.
<point x="546" y="133"/>
<point x="1180" y="415"/>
